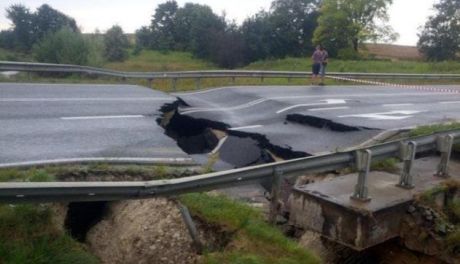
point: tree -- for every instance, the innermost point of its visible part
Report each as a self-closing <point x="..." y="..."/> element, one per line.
<point x="345" y="24"/>
<point x="196" y="28"/>
<point x="163" y="24"/>
<point x="29" y="28"/>
<point x="116" y="44"/>
<point x="257" y="34"/>
<point x="22" y="20"/>
<point x="293" y="23"/>
<point x="440" y="38"/>
<point x="64" y="46"/>
<point x="228" y="48"/>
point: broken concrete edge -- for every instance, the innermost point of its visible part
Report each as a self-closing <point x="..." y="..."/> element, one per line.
<point x="352" y="227"/>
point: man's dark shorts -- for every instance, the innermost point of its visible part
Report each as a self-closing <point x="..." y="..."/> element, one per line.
<point x="316" y="68"/>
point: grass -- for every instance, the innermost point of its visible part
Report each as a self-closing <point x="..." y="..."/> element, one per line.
<point x="387" y="165"/>
<point x="32" y="175"/>
<point x="254" y="241"/>
<point x="155" y="61"/>
<point x="449" y="213"/>
<point x="430" y="129"/>
<point x="370" y="66"/>
<point x="27" y="235"/>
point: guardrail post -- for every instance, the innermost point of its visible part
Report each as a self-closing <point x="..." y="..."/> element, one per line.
<point x="197" y="83"/>
<point x="408" y="157"/>
<point x="150" y="82"/>
<point x="233" y="80"/>
<point x="174" y="84"/>
<point x="363" y="164"/>
<point x="445" y="147"/>
<point x="190" y="227"/>
<point x="275" y="195"/>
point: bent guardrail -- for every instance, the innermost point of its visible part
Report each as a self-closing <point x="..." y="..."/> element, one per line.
<point x="198" y="75"/>
<point x="16" y="192"/>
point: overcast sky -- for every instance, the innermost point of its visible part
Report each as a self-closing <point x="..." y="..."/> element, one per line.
<point x="406" y="15"/>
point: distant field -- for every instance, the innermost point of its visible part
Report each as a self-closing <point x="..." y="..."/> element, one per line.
<point x="390" y="51"/>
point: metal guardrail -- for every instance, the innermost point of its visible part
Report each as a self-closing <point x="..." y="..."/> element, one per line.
<point x="198" y="75"/>
<point x="109" y="191"/>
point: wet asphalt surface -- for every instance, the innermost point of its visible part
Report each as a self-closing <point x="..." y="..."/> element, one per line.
<point x="47" y="121"/>
<point x="319" y="119"/>
<point x="50" y="121"/>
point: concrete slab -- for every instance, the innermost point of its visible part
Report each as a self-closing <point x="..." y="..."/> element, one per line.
<point x="326" y="207"/>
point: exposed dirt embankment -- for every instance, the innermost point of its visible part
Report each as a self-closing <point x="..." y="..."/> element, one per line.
<point x="146" y="231"/>
<point x="432" y="223"/>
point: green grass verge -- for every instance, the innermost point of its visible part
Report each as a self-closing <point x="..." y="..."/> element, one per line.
<point x="155" y="61"/>
<point x="370" y="66"/>
<point x="430" y="129"/>
<point x="254" y="241"/>
<point x="27" y="235"/>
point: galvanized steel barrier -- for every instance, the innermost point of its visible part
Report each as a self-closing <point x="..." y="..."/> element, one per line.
<point x="199" y="75"/>
<point x="108" y="191"/>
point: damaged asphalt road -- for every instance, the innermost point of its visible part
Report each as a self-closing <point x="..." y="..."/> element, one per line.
<point x="292" y="121"/>
<point x="41" y="122"/>
<point x="241" y="126"/>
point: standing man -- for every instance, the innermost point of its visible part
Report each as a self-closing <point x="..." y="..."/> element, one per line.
<point x="317" y="59"/>
<point x="324" y="61"/>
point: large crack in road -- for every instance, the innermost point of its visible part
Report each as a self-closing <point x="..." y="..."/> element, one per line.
<point x="235" y="148"/>
<point x="202" y="138"/>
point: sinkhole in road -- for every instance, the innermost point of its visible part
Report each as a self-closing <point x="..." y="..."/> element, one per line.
<point x="235" y="148"/>
<point x="82" y="216"/>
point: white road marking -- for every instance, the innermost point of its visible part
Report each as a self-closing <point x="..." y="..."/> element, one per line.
<point x="329" y="108"/>
<point x="245" y="127"/>
<point x="83" y="99"/>
<point x="396" y="105"/>
<point x="324" y="102"/>
<point x="101" y="117"/>
<point x="300" y="97"/>
<point x="393" y="115"/>
<point x="450" y="102"/>
<point x="238" y="107"/>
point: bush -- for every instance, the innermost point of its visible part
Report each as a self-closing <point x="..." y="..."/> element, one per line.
<point x="116" y="44"/>
<point x="64" y="47"/>
<point x="348" y="54"/>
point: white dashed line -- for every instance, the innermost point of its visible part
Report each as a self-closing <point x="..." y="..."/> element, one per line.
<point x="329" y="108"/>
<point x="101" y="117"/>
<point x="81" y="99"/>
<point x="396" y="105"/>
<point x="243" y="128"/>
<point x="450" y="102"/>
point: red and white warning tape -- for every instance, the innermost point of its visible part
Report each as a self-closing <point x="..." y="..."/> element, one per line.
<point x="416" y="87"/>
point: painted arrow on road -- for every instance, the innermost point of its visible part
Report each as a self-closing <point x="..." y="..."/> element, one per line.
<point x="322" y="102"/>
<point x="393" y="115"/>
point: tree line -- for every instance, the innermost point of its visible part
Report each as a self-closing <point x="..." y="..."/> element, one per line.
<point x="52" y="36"/>
<point x="288" y="28"/>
